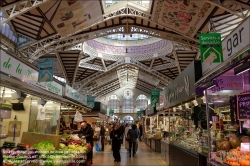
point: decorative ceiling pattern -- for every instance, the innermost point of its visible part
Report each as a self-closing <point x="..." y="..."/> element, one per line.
<point x="122" y="50"/>
<point x="62" y="29"/>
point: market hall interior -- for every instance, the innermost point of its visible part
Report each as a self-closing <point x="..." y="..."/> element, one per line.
<point x="172" y="77"/>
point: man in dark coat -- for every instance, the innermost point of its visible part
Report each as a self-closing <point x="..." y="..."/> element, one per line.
<point x="116" y="144"/>
<point x="87" y="133"/>
<point x="121" y="130"/>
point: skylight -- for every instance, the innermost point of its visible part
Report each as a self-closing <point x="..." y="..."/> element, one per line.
<point x="128" y="36"/>
<point x="144" y="3"/>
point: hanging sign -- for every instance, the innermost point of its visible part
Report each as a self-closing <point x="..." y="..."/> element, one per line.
<point x="46" y="69"/>
<point x="154" y="97"/>
<point x="90" y="101"/>
<point x="210" y="51"/>
<point x="111" y="112"/>
<point x="243" y="106"/>
<point x="75" y="95"/>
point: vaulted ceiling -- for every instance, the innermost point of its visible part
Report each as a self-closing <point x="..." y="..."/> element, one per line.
<point x="43" y="29"/>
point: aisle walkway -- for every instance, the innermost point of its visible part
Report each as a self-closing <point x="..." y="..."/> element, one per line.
<point x="143" y="157"/>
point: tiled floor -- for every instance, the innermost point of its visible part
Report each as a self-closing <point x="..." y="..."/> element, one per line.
<point x="143" y="157"/>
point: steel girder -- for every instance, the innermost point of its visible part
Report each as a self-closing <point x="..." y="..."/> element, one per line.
<point x="7" y="44"/>
<point x="177" y="61"/>
<point x="98" y="90"/>
<point x="91" y="66"/>
<point x="18" y="8"/>
<point x="142" y="88"/>
<point x="231" y="6"/>
<point x="108" y="90"/>
<point x="99" y="74"/>
<point x="165" y="66"/>
<point x="139" y="82"/>
<point x="55" y="42"/>
<point x="87" y="59"/>
<point x="76" y="69"/>
<point x="62" y="67"/>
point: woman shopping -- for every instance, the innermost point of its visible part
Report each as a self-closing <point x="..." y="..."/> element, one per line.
<point x="133" y="134"/>
<point x="116" y="143"/>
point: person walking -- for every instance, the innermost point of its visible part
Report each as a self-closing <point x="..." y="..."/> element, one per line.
<point x="141" y="130"/>
<point x="122" y="130"/>
<point x="133" y="133"/>
<point x="125" y="133"/>
<point x="116" y="144"/>
<point x="102" y="134"/>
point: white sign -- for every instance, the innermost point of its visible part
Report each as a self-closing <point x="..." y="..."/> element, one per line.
<point x="237" y="40"/>
<point x="74" y="94"/>
<point x="15" y="68"/>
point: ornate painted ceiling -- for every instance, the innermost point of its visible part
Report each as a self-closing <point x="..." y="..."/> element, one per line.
<point x="101" y="46"/>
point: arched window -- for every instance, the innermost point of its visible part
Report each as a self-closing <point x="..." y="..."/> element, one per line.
<point x="141" y="102"/>
<point x="114" y="103"/>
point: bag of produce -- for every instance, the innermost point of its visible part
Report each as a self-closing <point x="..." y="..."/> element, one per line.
<point x="75" y="137"/>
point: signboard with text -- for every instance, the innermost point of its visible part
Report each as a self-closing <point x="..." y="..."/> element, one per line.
<point x="182" y="87"/>
<point x="243" y="106"/>
<point x="46" y="69"/>
<point x="154" y="97"/>
<point x="210" y="51"/>
<point x="15" y="68"/>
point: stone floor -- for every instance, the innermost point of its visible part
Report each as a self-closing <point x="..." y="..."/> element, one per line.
<point x="143" y="157"/>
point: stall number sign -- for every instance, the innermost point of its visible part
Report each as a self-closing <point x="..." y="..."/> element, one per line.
<point x="243" y="106"/>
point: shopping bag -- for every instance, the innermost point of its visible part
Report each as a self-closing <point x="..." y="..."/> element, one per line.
<point x="78" y="117"/>
<point x="97" y="148"/>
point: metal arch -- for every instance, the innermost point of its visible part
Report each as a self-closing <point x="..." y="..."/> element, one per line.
<point x="229" y="7"/>
<point x="50" y="44"/>
<point x="19" y="8"/>
<point x="156" y="74"/>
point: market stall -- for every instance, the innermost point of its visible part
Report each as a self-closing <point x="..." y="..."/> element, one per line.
<point x="226" y="88"/>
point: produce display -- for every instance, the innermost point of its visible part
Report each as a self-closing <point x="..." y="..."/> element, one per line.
<point x="45" y="153"/>
<point x="230" y="152"/>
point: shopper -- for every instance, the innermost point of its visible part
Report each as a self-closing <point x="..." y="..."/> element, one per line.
<point x="122" y="130"/>
<point x="62" y="127"/>
<point x="110" y="129"/>
<point x="141" y="130"/>
<point x="125" y="133"/>
<point x="133" y="136"/>
<point x="102" y="134"/>
<point x="116" y="145"/>
<point x="87" y="133"/>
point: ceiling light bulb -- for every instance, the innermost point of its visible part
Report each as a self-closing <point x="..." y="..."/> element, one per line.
<point x="195" y="102"/>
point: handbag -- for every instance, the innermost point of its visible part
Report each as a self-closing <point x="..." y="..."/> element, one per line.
<point x="128" y="137"/>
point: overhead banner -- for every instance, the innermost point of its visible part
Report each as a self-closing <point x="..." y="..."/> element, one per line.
<point x="111" y="112"/>
<point x="46" y="69"/>
<point x="154" y="97"/>
<point x="91" y="101"/>
<point x="74" y="15"/>
<point x="210" y="51"/>
<point x="75" y="95"/>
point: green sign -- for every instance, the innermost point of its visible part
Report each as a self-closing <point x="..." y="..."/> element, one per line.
<point x="154" y="97"/>
<point x="46" y="69"/>
<point x="210" y="51"/>
<point x="90" y="101"/>
<point x="111" y="112"/>
<point x="138" y="113"/>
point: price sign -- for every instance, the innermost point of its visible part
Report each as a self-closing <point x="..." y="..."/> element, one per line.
<point x="243" y="106"/>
